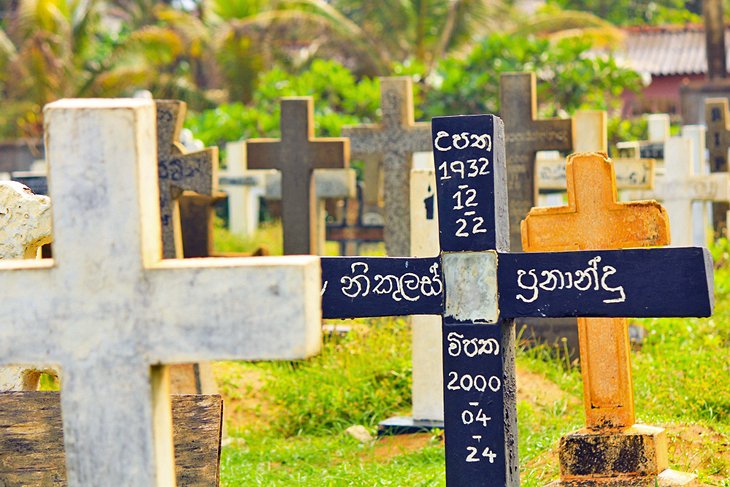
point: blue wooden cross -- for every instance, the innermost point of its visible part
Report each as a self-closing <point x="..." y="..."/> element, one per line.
<point x="478" y="287"/>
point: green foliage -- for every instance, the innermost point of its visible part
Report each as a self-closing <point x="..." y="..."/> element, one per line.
<point x="622" y="130"/>
<point x="339" y="99"/>
<point x="569" y="78"/>
<point x="636" y="12"/>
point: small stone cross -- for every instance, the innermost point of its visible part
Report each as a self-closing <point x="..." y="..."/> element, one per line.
<point x="297" y="154"/>
<point x="110" y="312"/>
<point x="525" y="137"/>
<point x="179" y="171"/>
<point x="393" y="142"/>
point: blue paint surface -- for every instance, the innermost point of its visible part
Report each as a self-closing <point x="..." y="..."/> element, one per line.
<point x="464" y="159"/>
<point x="356" y="287"/>
<point x="659" y="282"/>
<point x="474" y="405"/>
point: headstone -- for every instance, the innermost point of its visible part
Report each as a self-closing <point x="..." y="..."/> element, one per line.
<point x="702" y="210"/>
<point x="658" y="128"/>
<point x="718" y="142"/>
<point x="393" y="142"/>
<point x="109" y="311"/>
<point x="478" y="299"/>
<point x="631" y="174"/>
<point x="179" y="170"/>
<point x="594" y="220"/>
<point x="353" y="231"/>
<point x="525" y="136"/>
<point x="680" y="187"/>
<point x="297" y="154"/>
<point x="25" y="225"/>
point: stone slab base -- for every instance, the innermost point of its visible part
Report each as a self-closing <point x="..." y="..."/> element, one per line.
<point x="668" y="478"/>
<point x="403" y="425"/>
<point x="636" y="451"/>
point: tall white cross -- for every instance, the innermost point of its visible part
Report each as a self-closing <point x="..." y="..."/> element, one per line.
<point x="109" y="311"/>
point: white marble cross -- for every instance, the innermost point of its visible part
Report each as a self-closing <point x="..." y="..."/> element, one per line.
<point x="680" y="186"/>
<point x="110" y="312"/>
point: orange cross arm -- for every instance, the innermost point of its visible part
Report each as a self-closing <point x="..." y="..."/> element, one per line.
<point x="593" y="219"/>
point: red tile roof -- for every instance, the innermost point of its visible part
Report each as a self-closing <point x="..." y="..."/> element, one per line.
<point x="667" y="50"/>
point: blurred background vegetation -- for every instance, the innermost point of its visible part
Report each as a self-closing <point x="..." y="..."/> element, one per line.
<point x="232" y="59"/>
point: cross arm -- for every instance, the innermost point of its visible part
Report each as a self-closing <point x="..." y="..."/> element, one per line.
<point x="330" y="153"/>
<point x="197" y="173"/>
<point x="237" y="308"/>
<point x="262" y="153"/>
<point x="363" y="138"/>
<point x="26" y="312"/>
<point x="662" y="282"/>
<point x="355" y="287"/>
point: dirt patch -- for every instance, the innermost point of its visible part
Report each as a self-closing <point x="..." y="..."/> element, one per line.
<point x="694" y="448"/>
<point x="539" y="391"/>
<point x="246" y="404"/>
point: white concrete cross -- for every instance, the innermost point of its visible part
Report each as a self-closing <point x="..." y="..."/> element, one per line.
<point x="680" y="186"/>
<point x="109" y="311"/>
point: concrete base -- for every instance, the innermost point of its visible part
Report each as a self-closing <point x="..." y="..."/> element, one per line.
<point x="403" y="425"/>
<point x="668" y="478"/>
<point x="636" y="457"/>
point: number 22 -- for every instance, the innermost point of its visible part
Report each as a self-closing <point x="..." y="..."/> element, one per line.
<point x="477" y="228"/>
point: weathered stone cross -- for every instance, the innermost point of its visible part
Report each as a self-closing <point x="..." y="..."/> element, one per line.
<point x="718" y="143"/>
<point x="179" y="170"/>
<point x="296" y="155"/>
<point x="525" y="137"/>
<point x="393" y="142"/>
<point x="110" y="312"/>
<point x="479" y="299"/>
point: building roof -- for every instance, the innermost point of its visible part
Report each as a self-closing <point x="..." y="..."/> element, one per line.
<point x="667" y="50"/>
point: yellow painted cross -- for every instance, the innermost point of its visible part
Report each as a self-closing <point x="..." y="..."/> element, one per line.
<point x="594" y="220"/>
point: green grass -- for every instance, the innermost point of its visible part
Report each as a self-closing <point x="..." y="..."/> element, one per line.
<point x="301" y="409"/>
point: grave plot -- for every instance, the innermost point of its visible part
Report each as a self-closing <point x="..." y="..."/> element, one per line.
<point x="479" y="288"/>
<point x="110" y="312"/>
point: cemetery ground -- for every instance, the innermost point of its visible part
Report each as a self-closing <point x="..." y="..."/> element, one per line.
<point x="286" y="421"/>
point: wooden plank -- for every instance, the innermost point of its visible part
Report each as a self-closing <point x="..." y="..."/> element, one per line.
<point x="31" y="439"/>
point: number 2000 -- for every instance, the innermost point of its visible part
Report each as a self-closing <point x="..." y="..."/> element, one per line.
<point x="478" y="382"/>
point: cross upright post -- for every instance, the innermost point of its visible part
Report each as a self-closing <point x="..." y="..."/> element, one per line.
<point x="296" y="155"/>
<point x="112" y="313"/>
<point x="392" y="143"/>
<point x="526" y="135"/>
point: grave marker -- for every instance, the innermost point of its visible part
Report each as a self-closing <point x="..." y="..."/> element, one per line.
<point x="297" y="154"/>
<point x="393" y="142"/>
<point x="594" y="220"/>
<point x="718" y="142"/>
<point x="179" y="170"/>
<point x="526" y="135"/>
<point x="462" y="285"/>
<point x="111" y="312"/>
